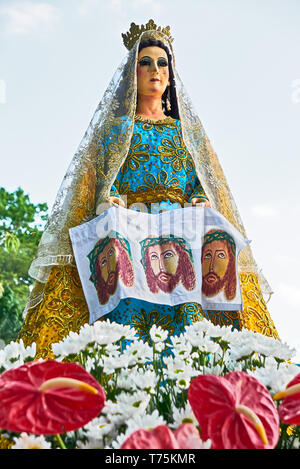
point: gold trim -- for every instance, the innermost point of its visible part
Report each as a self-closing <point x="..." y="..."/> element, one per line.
<point x="156" y="195"/>
<point x="166" y="120"/>
<point x="135" y="31"/>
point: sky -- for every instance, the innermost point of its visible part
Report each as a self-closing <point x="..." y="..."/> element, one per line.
<point x="239" y="61"/>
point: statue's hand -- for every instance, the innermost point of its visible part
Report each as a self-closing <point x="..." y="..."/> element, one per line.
<point x="200" y="202"/>
<point x="116" y="200"/>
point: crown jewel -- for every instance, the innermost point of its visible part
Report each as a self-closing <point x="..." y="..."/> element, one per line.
<point x="135" y="31"/>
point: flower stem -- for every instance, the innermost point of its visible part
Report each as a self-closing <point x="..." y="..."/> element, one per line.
<point x="60" y="441"/>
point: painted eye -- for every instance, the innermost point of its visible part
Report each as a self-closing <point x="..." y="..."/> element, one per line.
<point x="168" y="254"/>
<point x="103" y="263"/>
<point x="153" y="257"/>
<point x="221" y="255"/>
<point x="207" y="255"/>
<point x="145" y="61"/>
<point x="162" y="63"/>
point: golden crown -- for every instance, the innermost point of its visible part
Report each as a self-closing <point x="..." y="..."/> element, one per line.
<point x="135" y="31"/>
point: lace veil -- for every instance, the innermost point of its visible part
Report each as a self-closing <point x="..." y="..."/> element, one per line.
<point x="100" y="155"/>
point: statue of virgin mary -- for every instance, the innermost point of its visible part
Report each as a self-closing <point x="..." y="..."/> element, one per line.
<point x="145" y="144"/>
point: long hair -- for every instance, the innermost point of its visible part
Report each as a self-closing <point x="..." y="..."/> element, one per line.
<point x="184" y="273"/>
<point x="172" y="89"/>
<point x="229" y="281"/>
<point x="124" y="271"/>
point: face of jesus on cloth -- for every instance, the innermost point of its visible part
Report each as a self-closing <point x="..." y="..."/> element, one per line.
<point x="107" y="262"/>
<point x="166" y="265"/>
<point x="111" y="264"/>
<point x="218" y="269"/>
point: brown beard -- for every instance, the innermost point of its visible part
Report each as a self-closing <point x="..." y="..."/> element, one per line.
<point x="105" y="289"/>
<point x="184" y="273"/>
<point x="168" y="287"/>
<point x="111" y="287"/>
<point x="211" y="289"/>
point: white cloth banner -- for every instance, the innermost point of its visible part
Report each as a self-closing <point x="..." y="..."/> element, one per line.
<point x="177" y="256"/>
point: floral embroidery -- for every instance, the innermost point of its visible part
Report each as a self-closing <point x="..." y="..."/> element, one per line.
<point x="174" y="152"/>
<point x="143" y="322"/>
<point x="138" y="153"/>
<point x="162" y="179"/>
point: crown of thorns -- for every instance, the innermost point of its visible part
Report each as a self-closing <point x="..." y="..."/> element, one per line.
<point x="219" y="235"/>
<point x="100" y="246"/>
<point x="160" y="240"/>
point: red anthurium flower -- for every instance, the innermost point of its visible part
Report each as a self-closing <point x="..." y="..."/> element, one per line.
<point x="289" y="409"/>
<point x="161" y="437"/>
<point x="49" y="397"/>
<point x="188" y="437"/>
<point x="235" y="411"/>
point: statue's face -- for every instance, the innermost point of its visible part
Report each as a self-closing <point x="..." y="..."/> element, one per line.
<point x="108" y="262"/>
<point x="215" y="259"/>
<point x="164" y="261"/>
<point x="152" y="71"/>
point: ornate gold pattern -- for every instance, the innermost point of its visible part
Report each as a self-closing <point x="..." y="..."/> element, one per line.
<point x="143" y="322"/>
<point x="166" y="120"/>
<point x="138" y="154"/>
<point x="62" y="310"/>
<point x="158" y="194"/>
<point x="174" y="152"/>
<point x="255" y="315"/>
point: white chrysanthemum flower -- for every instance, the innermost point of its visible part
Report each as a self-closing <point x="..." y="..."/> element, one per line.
<point x="268" y="346"/>
<point x="283" y="351"/>
<point x="176" y="368"/>
<point x="199" y="327"/>
<point x="209" y="346"/>
<point x="147" y="421"/>
<point x="224" y="332"/>
<point x="158" y="334"/>
<point x="181" y="347"/>
<point x="117" y="443"/>
<point x="133" y="404"/>
<point x="26" y="441"/>
<point x="296" y="444"/>
<point x="111" y="363"/>
<point x="91" y="443"/>
<point x="160" y="346"/>
<point x="213" y="370"/>
<point x="242" y="350"/>
<point x="127" y="406"/>
<point x="183" y="381"/>
<point x="107" y="332"/>
<point x="275" y="377"/>
<point x="138" y="352"/>
<point x="90" y="364"/>
<point x="194" y="335"/>
<point x="232" y="365"/>
<point x="98" y="427"/>
<point x="100" y="333"/>
<point x="185" y="415"/>
<point x="14" y="354"/>
<point x="144" y="379"/>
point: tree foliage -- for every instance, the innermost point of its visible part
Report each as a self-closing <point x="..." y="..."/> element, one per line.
<point x="21" y="225"/>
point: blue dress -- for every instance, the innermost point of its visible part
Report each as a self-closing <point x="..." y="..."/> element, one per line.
<point x="160" y="173"/>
